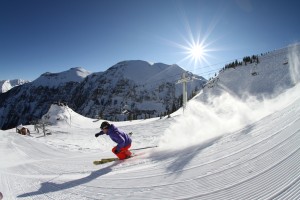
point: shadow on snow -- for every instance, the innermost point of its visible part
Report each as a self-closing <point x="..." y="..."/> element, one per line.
<point x="48" y="186"/>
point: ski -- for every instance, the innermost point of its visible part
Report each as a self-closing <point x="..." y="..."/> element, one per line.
<point x="104" y="160"/>
<point x="107" y="160"/>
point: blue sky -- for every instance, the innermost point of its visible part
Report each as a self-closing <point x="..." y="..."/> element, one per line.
<point x="38" y="36"/>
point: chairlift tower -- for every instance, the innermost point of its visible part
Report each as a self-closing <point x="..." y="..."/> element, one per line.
<point x="184" y="81"/>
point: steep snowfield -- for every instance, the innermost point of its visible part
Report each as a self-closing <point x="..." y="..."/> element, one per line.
<point x="225" y="148"/>
<point x="275" y="72"/>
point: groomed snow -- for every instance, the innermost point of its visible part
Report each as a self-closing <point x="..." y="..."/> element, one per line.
<point x="260" y="160"/>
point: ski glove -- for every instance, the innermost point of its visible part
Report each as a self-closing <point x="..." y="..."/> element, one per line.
<point x="100" y="133"/>
<point x="97" y="134"/>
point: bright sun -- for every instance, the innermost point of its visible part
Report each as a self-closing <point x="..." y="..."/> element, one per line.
<point x="196" y="52"/>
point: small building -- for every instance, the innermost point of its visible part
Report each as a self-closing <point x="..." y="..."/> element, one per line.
<point x="22" y="130"/>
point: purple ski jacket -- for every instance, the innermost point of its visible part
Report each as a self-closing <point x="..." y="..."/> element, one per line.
<point x="118" y="136"/>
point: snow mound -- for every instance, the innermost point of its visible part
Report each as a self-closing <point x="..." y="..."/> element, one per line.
<point x="62" y="115"/>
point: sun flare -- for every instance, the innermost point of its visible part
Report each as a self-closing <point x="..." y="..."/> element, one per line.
<point x="196" y="52"/>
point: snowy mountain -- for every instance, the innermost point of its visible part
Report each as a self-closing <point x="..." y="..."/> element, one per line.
<point x="54" y="80"/>
<point x="30" y="101"/>
<point x="142" y="89"/>
<point x="9" y="84"/>
<point x="129" y="89"/>
<point x="231" y="146"/>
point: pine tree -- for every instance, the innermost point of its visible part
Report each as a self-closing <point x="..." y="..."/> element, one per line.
<point x="174" y="107"/>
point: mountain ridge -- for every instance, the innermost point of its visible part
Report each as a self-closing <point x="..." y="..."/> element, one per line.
<point x="76" y="74"/>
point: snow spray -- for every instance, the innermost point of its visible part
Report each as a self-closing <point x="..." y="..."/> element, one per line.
<point x="205" y="121"/>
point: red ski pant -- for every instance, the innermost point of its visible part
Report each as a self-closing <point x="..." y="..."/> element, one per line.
<point x="124" y="152"/>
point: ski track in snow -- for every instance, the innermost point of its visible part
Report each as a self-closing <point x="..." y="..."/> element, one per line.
<point x="260" y="161"/>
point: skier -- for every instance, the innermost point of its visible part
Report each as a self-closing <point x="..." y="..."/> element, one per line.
<point x="122" y="139"/>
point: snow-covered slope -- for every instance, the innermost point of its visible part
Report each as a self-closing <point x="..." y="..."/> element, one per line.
<point x="56" y="79"/>
<point x="275" y="72"/>
<point x="225" y="148"/>
<point x="8" y="84"/>
<point x="258" y="161"/>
